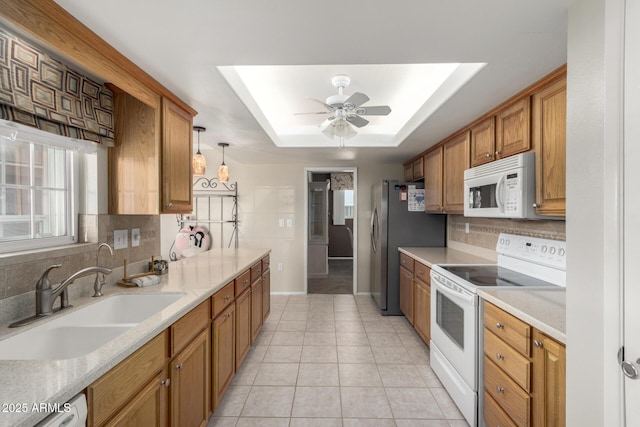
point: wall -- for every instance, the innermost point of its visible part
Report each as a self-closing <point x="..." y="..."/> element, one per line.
<point x="483" y="232"/>
<point x="593" y="127"/>
<point x="268" y="192"/>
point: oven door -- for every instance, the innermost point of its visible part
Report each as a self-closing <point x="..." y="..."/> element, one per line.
<point x="454" y="326"/>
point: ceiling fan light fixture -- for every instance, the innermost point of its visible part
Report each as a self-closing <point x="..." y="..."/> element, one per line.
<point x="199" y="163"/>
<point x="223" y="169"/>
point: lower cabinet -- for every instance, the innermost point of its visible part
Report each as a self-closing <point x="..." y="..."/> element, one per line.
<point x="524" y="373"/>
<point x="190" y="384"/>
<point x="406" y="293"/>
<point x="179" y="377"/>
<point x="422" y="309"/>
<point x="224" y="351"/>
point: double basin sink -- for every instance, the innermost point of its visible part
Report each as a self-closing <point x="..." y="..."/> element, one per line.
<point x="67" y="336"/>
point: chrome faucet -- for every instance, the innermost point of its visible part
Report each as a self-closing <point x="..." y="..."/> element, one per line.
<point x="46" y="295"/>
<point x="99" y="282"/>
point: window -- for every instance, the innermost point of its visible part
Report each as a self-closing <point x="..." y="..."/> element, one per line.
<point x="38" y="205"/>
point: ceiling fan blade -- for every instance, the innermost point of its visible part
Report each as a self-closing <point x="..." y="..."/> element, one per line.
<point x="315" y="112"/>
<point x="380" y="110"/>
<point x="325" y="105"/>
<point x="356" y="100"/>
<point x="357" y="120"/>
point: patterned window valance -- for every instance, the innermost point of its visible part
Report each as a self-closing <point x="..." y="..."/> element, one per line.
<point x="39" y="91"/>
<point x="342" y="181"/>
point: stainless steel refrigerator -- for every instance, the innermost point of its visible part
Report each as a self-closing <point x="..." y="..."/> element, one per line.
<point x="392" y="226"/>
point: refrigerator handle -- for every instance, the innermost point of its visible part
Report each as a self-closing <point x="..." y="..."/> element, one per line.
<point x="374" y="229"/>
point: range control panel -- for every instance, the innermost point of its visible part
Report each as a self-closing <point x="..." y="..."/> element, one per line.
<point x="552" y="253"/>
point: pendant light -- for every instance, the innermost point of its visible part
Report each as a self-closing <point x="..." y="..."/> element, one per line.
<point x="199" y="162"/>
<point x="223" y="170"/>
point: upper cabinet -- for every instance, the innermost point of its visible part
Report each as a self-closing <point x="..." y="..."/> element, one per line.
<point x="150" y="166"/>
<point x="513" y="129"/>
<point x="414" y="170"/>
<point x="533" y="120"/>
<point x="455" y="161"/>
<point x="177" y="152"/>
<point x="549" y="134"/>
<point x="483" y="142"/>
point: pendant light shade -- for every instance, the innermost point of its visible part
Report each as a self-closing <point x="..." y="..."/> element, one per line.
<point x="223" y="170"/>
<point x="199" y="162"/>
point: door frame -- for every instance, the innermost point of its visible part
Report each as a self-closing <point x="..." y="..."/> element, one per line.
<point x="329" y="169"/>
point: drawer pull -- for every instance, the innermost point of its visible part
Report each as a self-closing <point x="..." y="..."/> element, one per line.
<point x="166" y="382"/>
<point x="499" y="325"/>
<point x="499" y="356"/>
<point x="228" y="314"/>
<point x="226" y="297"/>
<point x="500" y="389"/>
<point x="538" y="344"/>
<point x="180" y="367"/>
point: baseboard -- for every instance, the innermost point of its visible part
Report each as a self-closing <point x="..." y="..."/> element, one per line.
<point x="341" y="257"/>
<point x="288" y="293"/>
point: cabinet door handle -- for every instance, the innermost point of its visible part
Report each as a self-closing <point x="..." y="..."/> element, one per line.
<point x="166" y="382"/>
<point x="228" y="314"/>
<point x="226" y="297"/>
<point x="538" y="344"/>
<point x="499" y="356"/>
<point x="500" y="389"/>
<point x="180" y="367"/>
<point x="488" y="155"/>
<point x="498" y="153"/>
<point x="169" y="205"/>
<point x="499" y="325"/>
<point x="537" y="205"/>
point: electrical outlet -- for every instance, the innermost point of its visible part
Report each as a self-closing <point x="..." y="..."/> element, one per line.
<point x="280" y="266"/>
<point x="120" y="239"/>
<point x="281" y="222"/>
<point x="135" y="237"/>
<point x="289" y="223"/>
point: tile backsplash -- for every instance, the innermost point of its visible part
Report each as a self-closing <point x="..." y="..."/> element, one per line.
<point x="483" y="232"/>
<point x="20" y="272"/>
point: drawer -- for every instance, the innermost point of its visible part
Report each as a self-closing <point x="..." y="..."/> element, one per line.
<point x="510" y="329"/>
<point x="423" y="273"/>
<point x="256" y="271"/>
<point x="515" y="401"/>
<point x="513" y="363"/>
<point x="183" y="331"/>
<point x="494" y="416"/>
<point x="126" y="379"/>
<point x="223" y="298"/>
<point x="406" y="261"/>
<point x="243" y="282"/>
<point x="266" y="263"/>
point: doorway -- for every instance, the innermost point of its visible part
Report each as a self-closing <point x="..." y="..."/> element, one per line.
<point x="331" y="255"/>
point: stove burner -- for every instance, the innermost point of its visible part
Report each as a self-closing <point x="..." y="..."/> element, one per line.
<point x="493" y="275"/>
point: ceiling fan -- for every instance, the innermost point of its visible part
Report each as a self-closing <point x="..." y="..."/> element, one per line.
<point x="346" y="111"/>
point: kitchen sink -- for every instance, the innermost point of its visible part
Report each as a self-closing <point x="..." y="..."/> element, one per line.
<point x="83" y="331"/>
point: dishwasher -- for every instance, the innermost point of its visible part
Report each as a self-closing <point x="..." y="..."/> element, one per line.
<point x="74" y="416"/>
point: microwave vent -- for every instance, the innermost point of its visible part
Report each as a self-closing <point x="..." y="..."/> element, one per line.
<point x="513" y="162"/>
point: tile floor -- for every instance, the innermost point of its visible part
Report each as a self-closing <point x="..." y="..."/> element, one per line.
<point x="333" y="360"/>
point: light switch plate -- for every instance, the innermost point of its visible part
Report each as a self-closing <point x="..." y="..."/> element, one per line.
<point x="120" y="240"/>
<point x="135" y="237"/>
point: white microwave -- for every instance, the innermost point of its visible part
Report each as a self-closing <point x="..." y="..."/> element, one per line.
<point x="502" y="189"/>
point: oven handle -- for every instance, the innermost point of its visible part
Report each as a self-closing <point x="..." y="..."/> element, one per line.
<point x="469" y="299"/>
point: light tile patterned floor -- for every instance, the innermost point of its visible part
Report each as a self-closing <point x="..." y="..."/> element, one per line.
<point x="333" y="360"/>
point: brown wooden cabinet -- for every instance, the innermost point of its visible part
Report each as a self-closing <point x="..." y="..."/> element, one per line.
<point x="243" y="325"/>
<point x="256" y="308"/>
<point x="406" y="290"/>
<point x="549" y="131"/>
<point x="455" y="161"/>
<point x="177" y="154"/>
<point x="223" y="352"/>
<point x="149" y="407"/>
<point x="408" y="172"/>
<point x="433" y="181"/>
<point x="422" y="302"/>
<point x="513" y="129"/>
<point x="524" y="373"/>
<point x="418" y="169"/>
<point x="190" y="384"/>
<point x="266" y="293"/>
<point x="549" y="381"/>
<point x="483" y="142"/>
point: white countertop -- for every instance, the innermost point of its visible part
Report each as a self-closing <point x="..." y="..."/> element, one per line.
<point x="430" y="256"/>
<point x="543" y="309"/>
<point x="29" y="382"/>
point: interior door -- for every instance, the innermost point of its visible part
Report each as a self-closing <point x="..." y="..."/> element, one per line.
<point x="631" y="364"/>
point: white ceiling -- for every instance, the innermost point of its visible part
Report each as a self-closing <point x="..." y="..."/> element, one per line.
<point x="182" y="44"/>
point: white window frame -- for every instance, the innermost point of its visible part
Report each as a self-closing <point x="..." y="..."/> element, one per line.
<point x="10" y="132"/>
